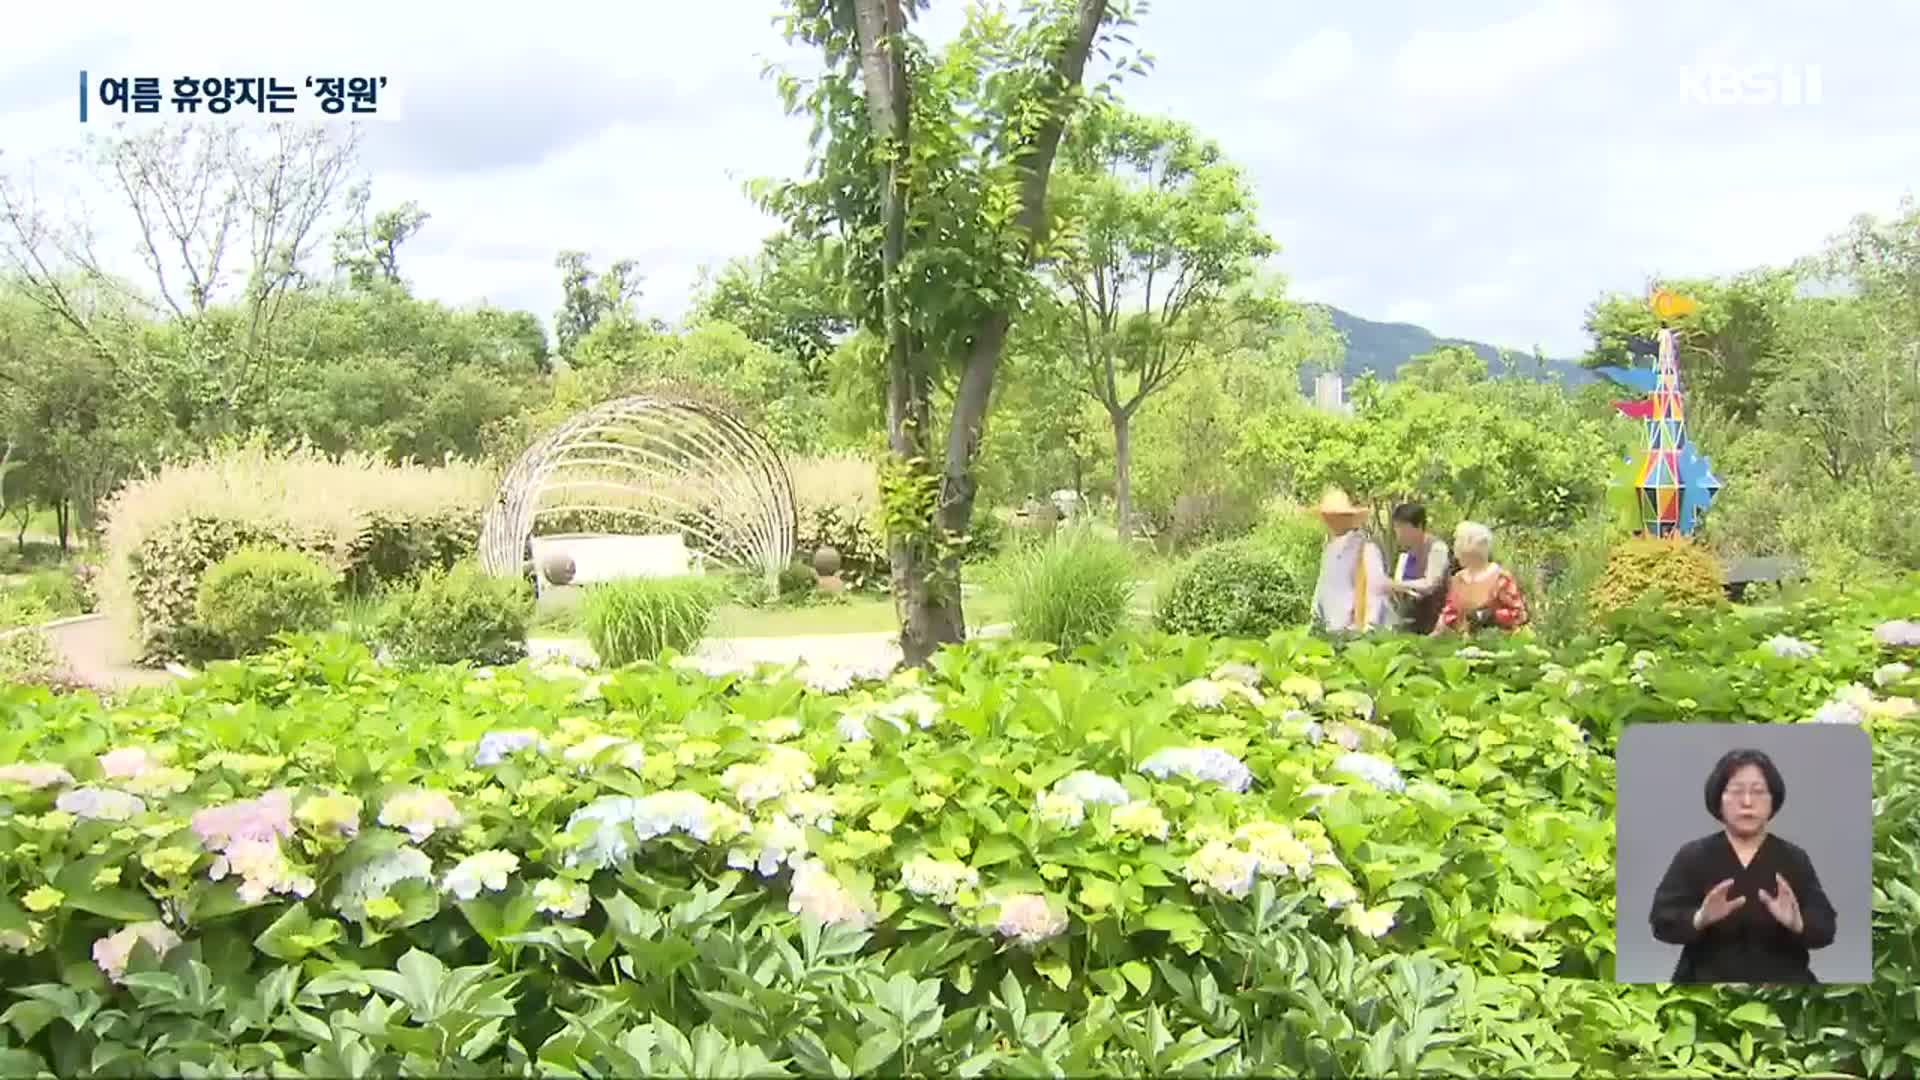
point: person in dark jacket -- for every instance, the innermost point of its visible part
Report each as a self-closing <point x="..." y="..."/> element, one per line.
<point x="1422" y="571"/>
<point x="1744" y="905"/>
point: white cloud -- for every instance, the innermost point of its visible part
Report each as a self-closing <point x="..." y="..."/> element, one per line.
<point x="1309" y="67"/>
<point x="1500" y="57"/>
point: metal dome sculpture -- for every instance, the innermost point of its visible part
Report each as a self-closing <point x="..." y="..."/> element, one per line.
<point x="661" y="462"/>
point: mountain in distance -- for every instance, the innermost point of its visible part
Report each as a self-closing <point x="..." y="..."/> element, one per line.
<point x="1383" y="347"/>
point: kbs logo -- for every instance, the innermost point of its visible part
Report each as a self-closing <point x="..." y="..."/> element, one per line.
<point x="1761" y="84"/>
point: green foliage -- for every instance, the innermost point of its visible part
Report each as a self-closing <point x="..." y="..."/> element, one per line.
<point x="1244" y="588"/>
<point x="369" y="522"/>
<point x="634" y="619"/>
<point x="1075" y="589"/>
<point x="255" y="594"/>
<point x="1504" y="453"/>
<point x="1683" y="574"/>
<point x="27" y="658"/>
<point x="1464" y="911"/>
<point x="455" y="615"/>
<point x="797" y="580"/>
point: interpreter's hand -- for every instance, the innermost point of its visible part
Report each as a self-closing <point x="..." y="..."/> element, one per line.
<point x="1716" y="906"/>
<point x="1783" y="905"/>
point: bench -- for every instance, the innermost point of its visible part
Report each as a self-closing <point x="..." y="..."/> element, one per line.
<point x="1771" y="569"/>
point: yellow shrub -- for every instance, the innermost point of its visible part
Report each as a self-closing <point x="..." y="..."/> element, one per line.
<point x="1686" y="573"/>
<point x="358" y="516"/>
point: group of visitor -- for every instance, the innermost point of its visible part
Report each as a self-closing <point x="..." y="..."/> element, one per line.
<point x="1433" y="589"/>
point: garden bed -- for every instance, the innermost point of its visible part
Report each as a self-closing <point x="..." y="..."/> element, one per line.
<point x="1180" y="856"/>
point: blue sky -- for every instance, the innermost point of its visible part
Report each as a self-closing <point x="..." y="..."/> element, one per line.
<point x="1483" y="169"/>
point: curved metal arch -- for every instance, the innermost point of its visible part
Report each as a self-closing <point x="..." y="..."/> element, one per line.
<point x="653" y="448"/>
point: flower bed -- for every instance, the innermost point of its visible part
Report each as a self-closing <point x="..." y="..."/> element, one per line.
<point x="1225" y="858"/>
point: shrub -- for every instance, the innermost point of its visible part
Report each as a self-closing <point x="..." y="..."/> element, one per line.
<point x="27" y="658"/>
<point x="541" y="874"/>
<point x="797" y="580"/>
<point x="368" y="521"/>
<point x="1241" y="588"/>
<point x="1074" y="589"/>
<point x="450" y="616"/>
<point x="1684" y="574"/>
<point x="259" y="592"/>
<point x="635" y="619"/>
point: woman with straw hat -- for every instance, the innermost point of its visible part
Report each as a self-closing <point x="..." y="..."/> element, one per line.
<point x="1352" y="596"/>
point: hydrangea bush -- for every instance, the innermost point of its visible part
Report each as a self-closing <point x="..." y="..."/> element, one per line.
<point x="1180" y="856"/>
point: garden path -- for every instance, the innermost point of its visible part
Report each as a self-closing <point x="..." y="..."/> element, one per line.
<point x="94" y="654"/>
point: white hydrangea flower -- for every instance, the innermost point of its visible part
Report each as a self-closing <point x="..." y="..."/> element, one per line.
<point x="1791" y="648"/>
<point x="1883" y="677"/>
<point x="1236" y="672"/>
<point x="621" y="820"/>
<point x="112" y="952"/>
<point x="924" y="711"/>
<point x="420" y="813"/>
<point x="1375" y="770"/>
<point x="1060" y="811"/>
<point x="818" y="894"/>
<point x="771" y="845"/>
<point x="810" y="809"/>
<point x="780" y="729"/>
<point x="1223" y="868"/>
<point x="380" y="875"/>
<point x="1838" y="712"/>
<point x="1142" y="819"/>
<point x="496" y="746"/>
<point x="1279" y="851"/>
<point x="1091" y="787"/>
<point x="567" y="899"/>
<point x="487" y="870"/>
<point x="938" y="880"/>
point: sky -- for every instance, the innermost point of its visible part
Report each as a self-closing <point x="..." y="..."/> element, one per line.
<point x="1485" y="170"/>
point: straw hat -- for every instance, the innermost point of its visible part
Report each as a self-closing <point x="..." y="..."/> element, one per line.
<point x="1335" y="504"/>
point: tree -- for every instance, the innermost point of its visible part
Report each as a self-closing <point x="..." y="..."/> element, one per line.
<point x="931" y="170"/>
<point x="587" y="298"/>
<point x="1730" y="345"/>
<point x="1449" y="367"/>
<point x="368" y="251"/>
<point x="212" y="206"/>
<point x="1158" y="231"/>
<point x="786" y="298"/>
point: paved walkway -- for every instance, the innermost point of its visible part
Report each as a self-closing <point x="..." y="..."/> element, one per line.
<point x="94" y="653"/>
<point x="96" y="656"/>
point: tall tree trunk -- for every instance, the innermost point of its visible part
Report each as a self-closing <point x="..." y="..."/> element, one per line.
<point x="62" y="516"/>
<point x="1122" y="472"/>
<point x="926" y="584"/>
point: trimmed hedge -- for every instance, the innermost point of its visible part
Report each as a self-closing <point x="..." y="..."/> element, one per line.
<point x="1241" y="588"/>
<point x="1684" y="574"/>
<point x="456" y="615"/>
<point x="369" y="522"/>
<point x="257" y="593"/>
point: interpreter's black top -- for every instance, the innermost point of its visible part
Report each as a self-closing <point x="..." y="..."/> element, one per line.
<point x="1750" y="945"/>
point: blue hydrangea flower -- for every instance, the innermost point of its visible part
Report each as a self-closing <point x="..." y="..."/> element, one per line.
<point x="1203" y="763"/>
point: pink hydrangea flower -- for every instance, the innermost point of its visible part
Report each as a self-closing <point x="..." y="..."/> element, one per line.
<point x="127" y="763"/>
<point x="1029" y="919"/>
<point x="35" y="776"/>
<point x="112" y="952"/>
<point x="266" y="818"/>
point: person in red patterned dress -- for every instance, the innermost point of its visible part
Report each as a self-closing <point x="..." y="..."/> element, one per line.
<point x="1482" y="595"/>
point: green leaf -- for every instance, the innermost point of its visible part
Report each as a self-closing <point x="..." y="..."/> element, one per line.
<point x="875" y="1052"/>
<point x="1055" y="969"/>
<point x="994" y="851"/>
<point x="1139" y="975"/>
<point x="122" y="904"/>
<point x="1755" y="1012"/>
